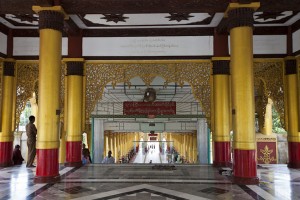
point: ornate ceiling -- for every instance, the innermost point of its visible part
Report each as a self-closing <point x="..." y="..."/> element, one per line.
<point x="147" y="17"/>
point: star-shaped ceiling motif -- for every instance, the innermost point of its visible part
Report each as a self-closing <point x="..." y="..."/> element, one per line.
<point x="269" y="15"/>
<point x="179" y="16"/>
<point x="114" y="18"/>
<point x="27" y="17"/>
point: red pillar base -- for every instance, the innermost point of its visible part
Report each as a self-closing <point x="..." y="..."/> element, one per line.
<point x="6" y="152"/>
<point x="53" y="179"/>
<point x="222" y="154"/>
<point x="244" y="167"/>
<point x="73" y="154"/>
<point x="47" y="170"/>
<point x="294" y="155"/>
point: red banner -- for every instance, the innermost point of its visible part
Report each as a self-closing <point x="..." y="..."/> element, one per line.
<point x="149" y="108"/>
<point x="152" y="138"/>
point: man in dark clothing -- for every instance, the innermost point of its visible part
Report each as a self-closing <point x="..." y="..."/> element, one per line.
<point x="31" y="132"/>
<point x="17" y="156"/>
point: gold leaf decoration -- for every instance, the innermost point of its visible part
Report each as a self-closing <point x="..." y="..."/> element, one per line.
<point x="197" y="74"/>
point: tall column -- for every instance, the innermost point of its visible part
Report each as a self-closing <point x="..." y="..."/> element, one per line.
<point x="98" y="140"/>
<point x="221" y="135"/>
<point x="292" y="111"/>
<point x="74" y="78"/>
<point x="115" y="147"/>
<point x="51" y="21"/>
<point x="267" y="129"/>
<point x="190" y="147"/>
<point x="106" y="147"/>
<point x="202" y="141"/>
<point x="120" y="145"/>
<point x="6" y="134"/>
<point x="111" y="138"/>
<point x="195" y="154"/>
<point x="171" y="139"/>
<point x="241" y="41"/>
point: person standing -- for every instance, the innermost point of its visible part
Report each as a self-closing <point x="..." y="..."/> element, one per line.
<point x="31" y="132"/>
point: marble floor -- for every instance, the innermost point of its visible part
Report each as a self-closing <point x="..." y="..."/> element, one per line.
<point x="144" y="181"/>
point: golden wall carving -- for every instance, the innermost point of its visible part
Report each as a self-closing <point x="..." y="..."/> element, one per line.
<point x="197" y="74"/>
<point x="261" y="100"/>
<point x="27" y="78"/>
<point x="271" y="73"/>
<point x="27" y="84"/>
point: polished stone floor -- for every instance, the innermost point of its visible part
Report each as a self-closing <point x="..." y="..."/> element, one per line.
<point x="143" y="181"/>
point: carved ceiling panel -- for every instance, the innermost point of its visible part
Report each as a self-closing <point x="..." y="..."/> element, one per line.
<point x="144" y="14"/>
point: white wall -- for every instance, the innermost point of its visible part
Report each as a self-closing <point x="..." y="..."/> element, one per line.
<point x="268" y="44"/>
<point x="148" y="46"/>
<point x="29" y="46"/>
<point x="296" y="41"/>
<point x="3" y="43"/>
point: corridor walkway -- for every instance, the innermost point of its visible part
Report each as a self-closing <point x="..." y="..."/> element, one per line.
<point x="153" y="154"/>
<point x="141" y="182"/>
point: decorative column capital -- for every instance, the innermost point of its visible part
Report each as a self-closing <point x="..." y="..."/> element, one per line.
<point x="9" y="67"/>
<point x="51" y="17"/>
<point x="221" y="65"/>
<point x="241" y="14"/>
<point x="290" y="65"/>
<point x="75" y="66"/>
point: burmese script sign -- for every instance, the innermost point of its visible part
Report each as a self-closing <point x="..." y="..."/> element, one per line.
<point x="149" y="108"/>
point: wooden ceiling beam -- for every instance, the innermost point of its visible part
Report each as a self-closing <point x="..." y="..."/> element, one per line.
<point x="70" y="28"/>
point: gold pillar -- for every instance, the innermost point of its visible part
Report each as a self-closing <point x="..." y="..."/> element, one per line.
<point x="190" y="147"/>
<point x="291" y="70"/>
<point x="106" y="144"/>
<point x="51" y="21"/>
<point x="62" y="147"/>
<point x="121" y="145"/>
<point x="241" y="42"/>
<point x="181" y="145"/>
<point x="221" y="134"/>
<point x="184" y="145"/>
<point x="267" y="129"/>
<point x="115" y="147"/>
<point x="75" y="97"/>
<point x="34" y="107"/>
<point x="6" y="134"/>
<point x="118" y="146"/>
<point x="111" y="137"/>
<point x="195" y="148"/>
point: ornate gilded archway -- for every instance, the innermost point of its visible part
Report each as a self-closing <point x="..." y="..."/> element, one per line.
<point x="196" y="73"/>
